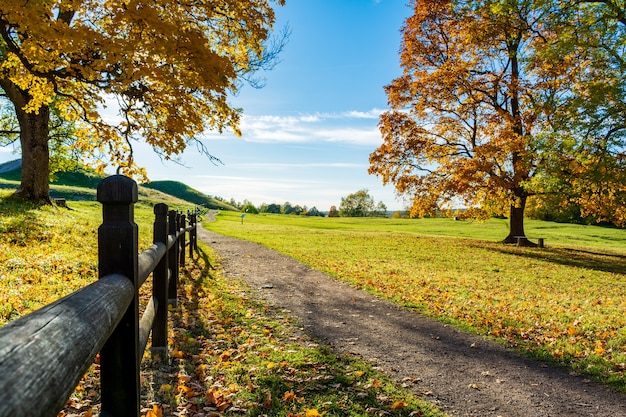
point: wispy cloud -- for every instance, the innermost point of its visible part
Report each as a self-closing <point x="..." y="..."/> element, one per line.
<point x="353" y="127"/>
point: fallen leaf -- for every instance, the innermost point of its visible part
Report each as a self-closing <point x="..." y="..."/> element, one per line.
<point x="289" y="396"/>
<point x="398" y="405"/>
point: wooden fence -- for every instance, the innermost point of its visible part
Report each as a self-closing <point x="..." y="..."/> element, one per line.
<point x="44" y="355"/>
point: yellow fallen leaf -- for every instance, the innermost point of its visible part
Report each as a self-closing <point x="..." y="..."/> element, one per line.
<point x="398" y="405"/>
<point x="312" y="413"/>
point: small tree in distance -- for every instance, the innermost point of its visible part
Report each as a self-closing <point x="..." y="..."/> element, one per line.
<point x="361" y="204"/>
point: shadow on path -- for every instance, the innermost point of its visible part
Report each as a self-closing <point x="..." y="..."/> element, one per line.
<point x="464" y="375"/>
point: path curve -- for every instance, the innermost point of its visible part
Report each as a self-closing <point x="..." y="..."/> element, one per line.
<point x="464" y="375"/>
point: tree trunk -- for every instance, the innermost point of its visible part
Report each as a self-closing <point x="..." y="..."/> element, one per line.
<point x="35" y="155"/>
<point x="516" y="224"/>
<point x="34" y="133"/>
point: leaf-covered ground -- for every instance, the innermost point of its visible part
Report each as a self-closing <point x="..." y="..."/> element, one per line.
<point x="562" y="304"/>
<point x="228" y="354"/>
<point x="231" y="355"/>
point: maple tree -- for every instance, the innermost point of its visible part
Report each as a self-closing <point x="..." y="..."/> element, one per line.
<point x="472" y="107"/>
<point x="167" y="66"/>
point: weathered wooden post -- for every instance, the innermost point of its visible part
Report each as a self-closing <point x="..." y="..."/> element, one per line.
<point x="195" y="230"/>
<point x="183" y="239"/>
<point x="117" y="254"/>
<point x="192" y="233"/>
<point x="172" y="258"/>
<point x="160" y="286"/>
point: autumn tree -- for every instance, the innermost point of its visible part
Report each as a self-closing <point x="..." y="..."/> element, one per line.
<point x="586" y="173"/>
<point x="166" y="68"/>
<point x="473" y="100"/>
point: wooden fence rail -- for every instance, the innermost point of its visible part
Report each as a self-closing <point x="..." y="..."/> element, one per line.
<point x="43" y="355"/>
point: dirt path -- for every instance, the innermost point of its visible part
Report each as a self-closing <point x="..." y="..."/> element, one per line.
<point x="462" y="374"/>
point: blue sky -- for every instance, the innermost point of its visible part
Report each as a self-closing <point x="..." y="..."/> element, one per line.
<point x="308" y="133"/>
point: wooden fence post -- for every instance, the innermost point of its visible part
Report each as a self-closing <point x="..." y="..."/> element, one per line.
<point x="172" y="258"/>
<point x="192" y="233"/>
<point x="183" y="239"/>
<point x="160" y="286"/>
<point x="117" y="254"/>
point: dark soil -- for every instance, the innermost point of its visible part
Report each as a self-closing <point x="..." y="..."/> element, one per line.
<point x="464" y="375"/>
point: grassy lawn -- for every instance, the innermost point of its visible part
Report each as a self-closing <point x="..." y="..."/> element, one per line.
<point x="564" y="303"/>
<point x="228" y="353"/>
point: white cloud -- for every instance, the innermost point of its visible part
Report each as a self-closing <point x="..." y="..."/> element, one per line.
<point x="353" y="127"/>
<point x="281" y="166"/>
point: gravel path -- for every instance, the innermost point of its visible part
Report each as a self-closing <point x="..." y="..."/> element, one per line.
<point x="464" y="375"/>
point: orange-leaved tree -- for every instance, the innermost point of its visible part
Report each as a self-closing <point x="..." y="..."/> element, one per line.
<point x="469" y="108"/>
<point x="166" y="67"/>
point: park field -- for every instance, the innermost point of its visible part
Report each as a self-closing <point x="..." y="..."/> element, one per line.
<point x="563" y="304"/>
<point x="227" y="351"/>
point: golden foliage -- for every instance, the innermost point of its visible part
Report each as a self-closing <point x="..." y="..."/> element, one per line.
<point x="465" y="113"/>
<point x="167" y="66"/>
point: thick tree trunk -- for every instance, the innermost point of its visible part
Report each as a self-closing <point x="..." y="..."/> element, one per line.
<point x="35" y="155"/>
<point x="516" y="224"/>
<point x="34" y="133"/>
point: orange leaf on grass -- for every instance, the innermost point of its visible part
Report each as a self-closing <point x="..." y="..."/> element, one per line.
<point x="155" y="412"/>
<point x="398" y="405"/>
<point x="289" y="396"/>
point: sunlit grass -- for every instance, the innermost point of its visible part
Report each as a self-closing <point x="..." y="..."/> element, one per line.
<point x="231" y="352"/>
<point x="227" y="352"/>
<point x="48" y="252"/>
<point x="564" y="303"/>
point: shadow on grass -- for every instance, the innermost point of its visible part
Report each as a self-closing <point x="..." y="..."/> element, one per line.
<point x="244" y="357"/>
<point x="596" y="260"/>
<point x="19" y="222"/>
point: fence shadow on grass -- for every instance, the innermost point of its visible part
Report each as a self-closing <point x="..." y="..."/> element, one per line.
<point x="580" y="258"/>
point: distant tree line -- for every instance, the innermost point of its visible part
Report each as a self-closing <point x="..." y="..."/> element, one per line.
<point x="358" y="204"/>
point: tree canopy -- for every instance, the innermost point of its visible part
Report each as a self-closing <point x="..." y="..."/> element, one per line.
<point x="360" y="204"/>
<point x="167" y="69"/>
<point x="487" y="92"/>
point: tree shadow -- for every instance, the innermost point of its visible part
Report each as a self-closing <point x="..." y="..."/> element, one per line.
<point x="589" y="259"/>
<point x="20" y="223"/>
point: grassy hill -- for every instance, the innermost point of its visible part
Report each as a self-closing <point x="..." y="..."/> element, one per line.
<point x="81" y="184"/>
<point x="187" y="193"/>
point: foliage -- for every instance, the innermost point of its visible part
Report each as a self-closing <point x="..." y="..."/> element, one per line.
<point x="165" y="67"/>
<point x="360" y="204"/>
<point x="478" y="99"/>
<point x="313" y="211"/>
<point x="249" y="208"/>
<point x="585" y="152"/>
<point x="562" y="304"/>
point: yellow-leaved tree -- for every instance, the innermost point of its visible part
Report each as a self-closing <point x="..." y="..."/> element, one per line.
<point x="472" y="107"/>
<point x="168" y="66"/>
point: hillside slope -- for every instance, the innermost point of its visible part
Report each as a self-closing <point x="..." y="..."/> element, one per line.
<point x="81" y="184"/>
<point x="187" y="193"/>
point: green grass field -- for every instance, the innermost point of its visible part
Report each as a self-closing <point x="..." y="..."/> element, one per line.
<point x="564" y="303"/>
<point x="228" y="352"/>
